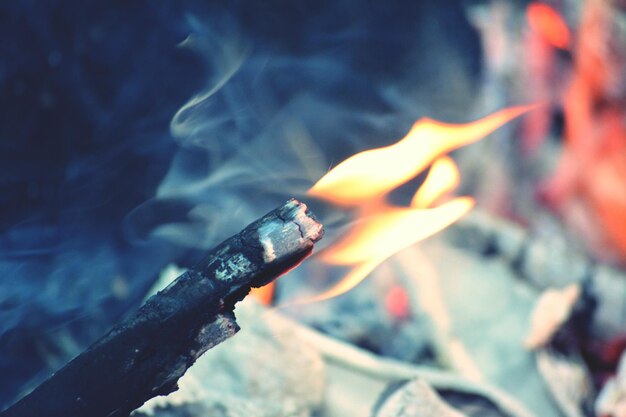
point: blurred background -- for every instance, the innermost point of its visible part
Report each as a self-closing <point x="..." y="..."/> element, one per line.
<point x="134" y="135"/>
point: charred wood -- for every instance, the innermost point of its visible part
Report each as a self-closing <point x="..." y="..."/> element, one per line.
<point x="144" y="356"/>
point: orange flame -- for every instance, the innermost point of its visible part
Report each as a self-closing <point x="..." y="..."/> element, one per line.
<point x="364" y="180"/>
<point x="264" y="294"/>
<point x="377" y="237"/>
<point x="371" y="174"/>
<point x="547" y="22"/>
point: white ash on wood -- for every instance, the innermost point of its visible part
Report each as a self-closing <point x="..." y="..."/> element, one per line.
<point x="144" y="356"/>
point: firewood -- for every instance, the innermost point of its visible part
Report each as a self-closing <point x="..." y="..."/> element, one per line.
<point x="144" y="356"/>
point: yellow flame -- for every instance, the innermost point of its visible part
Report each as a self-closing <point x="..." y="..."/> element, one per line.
<point x="364" y="180"/>
<point x="442" y="178"/>
<point x="371" y="174"/>
<point x="382" y="234"/>
<point x="376" y="238"/>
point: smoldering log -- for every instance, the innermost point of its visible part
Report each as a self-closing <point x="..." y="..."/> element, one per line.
<point x="144" y="356"/>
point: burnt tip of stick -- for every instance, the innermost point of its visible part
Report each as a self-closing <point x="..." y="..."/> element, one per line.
<point x="299" y="213"/>
<point x="145" y="355"/>
<point x="287" y="236"/>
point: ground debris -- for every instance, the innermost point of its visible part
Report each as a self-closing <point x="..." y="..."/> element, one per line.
<point x="612" y="399"/>
<point x="265" y="371"/>
<point x="415" y="399"/>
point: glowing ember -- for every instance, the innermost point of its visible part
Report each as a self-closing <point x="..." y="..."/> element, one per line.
<point x="544" y="75"/>
<point x="364" y="180"/>
<point x="589" y="187"/>
<point x="546" y="21"/>
<point x="397" y="302"/>
<point x="264" y="294"/>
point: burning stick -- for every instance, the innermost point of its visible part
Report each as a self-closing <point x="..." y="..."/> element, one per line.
<point x="146" y="355"/>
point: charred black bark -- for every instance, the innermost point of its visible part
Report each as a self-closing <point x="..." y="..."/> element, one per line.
<point x="144" y="356"/>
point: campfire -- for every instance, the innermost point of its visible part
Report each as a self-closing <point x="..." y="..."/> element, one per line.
<point x="372" y="210"/>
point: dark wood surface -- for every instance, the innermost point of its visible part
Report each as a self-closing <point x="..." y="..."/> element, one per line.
<point x="144" y="356"/>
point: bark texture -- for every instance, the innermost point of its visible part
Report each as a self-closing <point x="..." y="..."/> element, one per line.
<point x="144" y="356"/>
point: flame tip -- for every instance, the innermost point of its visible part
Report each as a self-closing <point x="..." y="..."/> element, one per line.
<point x="365" y="179"/>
